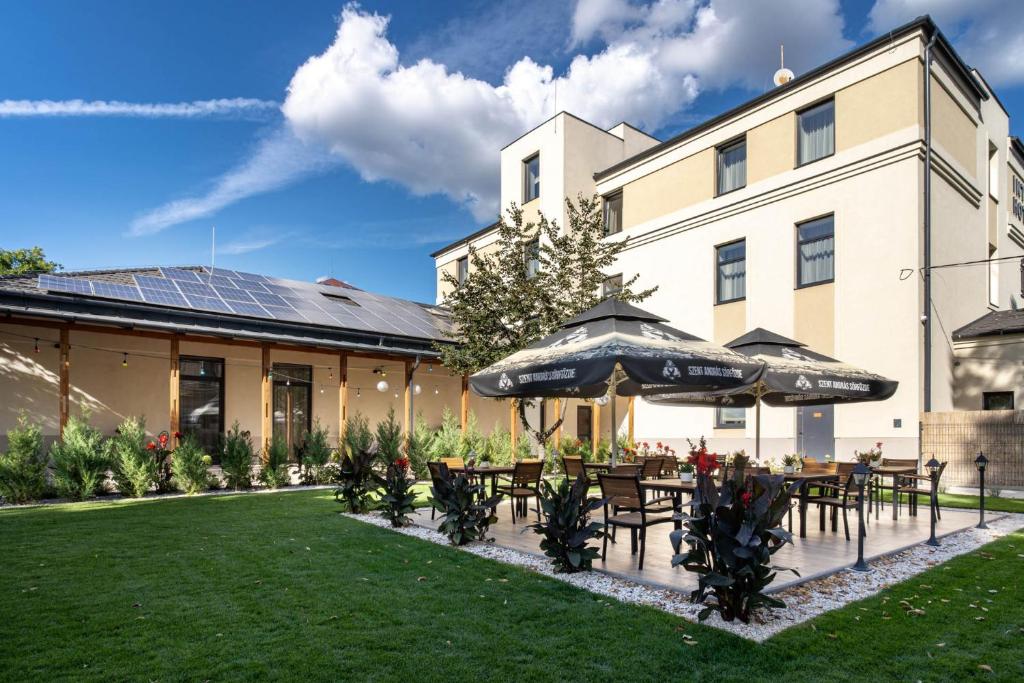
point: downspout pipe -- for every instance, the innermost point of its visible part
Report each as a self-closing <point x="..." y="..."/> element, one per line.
<point x="412" y="396"/>
<point x="926" y="314"/>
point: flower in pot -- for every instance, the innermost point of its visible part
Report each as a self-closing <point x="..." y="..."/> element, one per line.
<point x="872" y="456"/>
<point x="686" y="471"/>
<point x="789" y="463"/>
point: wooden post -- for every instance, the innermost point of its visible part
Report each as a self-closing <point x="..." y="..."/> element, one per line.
<point x="464" y="407"/>
<point x="632" y="400"/>
<point x="175" y="384"/>
<point x="512" y="421"/>
<point x="266" y="392"/>
<point x="558" y="416"/>
<point x="65" y="379"/>
<point x="342" y="397"/>
<point x="406" y="412"/>
<point x="595" y="430"/>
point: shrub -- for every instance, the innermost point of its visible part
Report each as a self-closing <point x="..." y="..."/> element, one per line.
<point x="80" y="460"/>
<point x="731" y="539"/>
<point x="447" y="442"/>
<point x="419" y="447"/>
<point x="471" y="440"/>
<point x="315" y="456"/>
<point x="236" y="458"/>
<point x="389" y="438"/>
<point x="135" y="461"/>
<point x="357" y="480"/>
<point x="567" y="527"/>
<point x="190" y="467"/>
<point x="23" y="466"/>
<point x="498" y="449"/>
<point x="358" y="437"/>
<point x="398" y="500"/>
<point x="274" y="473"/>
<point x="466" y="513"/>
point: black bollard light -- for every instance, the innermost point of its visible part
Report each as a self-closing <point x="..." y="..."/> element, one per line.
<point x="981" y="462"/>
<point x="860" y="476"/>
<point x="933" y="474"/>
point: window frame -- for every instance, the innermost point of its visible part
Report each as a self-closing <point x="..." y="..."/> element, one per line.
<point x="799" y="242"/>
<point x="461" y="278"/>
<point x="529" y="248"/>
<point x="724" y="147"/>
<point x="526" y="178"/>
<point x="985" y="395"/>
<point x="605" y="201"/>
<point x="286" y="383"/>
<point x="796" y="131"/>
<point x="718" y="264"/>
<point x="604" y="286"/>
<point x="222" y="380"/>
<point x="722" y="424"/>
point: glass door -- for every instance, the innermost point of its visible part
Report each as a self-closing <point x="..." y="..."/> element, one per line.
<point x="293" y="403"/>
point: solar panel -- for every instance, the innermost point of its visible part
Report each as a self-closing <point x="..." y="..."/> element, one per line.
<point x="246" y="284"/>
<point x="283" y="313"/>
<point x="252" y="277"/>
<point x="150" y="282"/>
<point x="225" y="273"/>
<point x="179" y="274"/>
<point x="232" y="294"/>
<point x="72" y="285"/>
<point x="114" y="291"/>
<point x="208" y="303"/>
<point x="242" y="308"/>
<point x="270" y="299"/>
<point x="197" y="288"/>
<point x="280" y="289"/>
<point x="218" y="280"/>
<point x="162" y="296"/>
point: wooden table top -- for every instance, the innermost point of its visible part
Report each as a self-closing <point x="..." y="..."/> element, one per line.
<point x="894" y="469"/>
<point x="809" y="476"/>
<point x="483" y="470"/>
<point x="668" y="485"/>
<point x="609" y="466"/>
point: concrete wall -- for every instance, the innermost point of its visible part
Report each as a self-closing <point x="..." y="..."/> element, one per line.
<point x="988" y="364"/>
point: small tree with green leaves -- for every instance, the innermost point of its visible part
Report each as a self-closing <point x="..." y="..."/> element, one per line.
<point x="472" y="441"/>
<point x="389" y="438"/>
<point x="418" y="447"/>
<point x="190" y="466"/>
<point x="21" y="261"/>
<point x="274" y="472"/>
<point x="136" y="468"/>
<point x="23" y="466"/>
<point x="358" y="437"/>
<point x="81" y="460"/>
<point x="236" y="458"/>
<point x="447" y="442"/>
<point x="502" y="308"/>
<point x="316" y="453"/>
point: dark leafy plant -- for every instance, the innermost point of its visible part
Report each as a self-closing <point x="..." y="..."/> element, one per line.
<point x="467" y="514"/>
<point x="315" y="456"/>
<point x="190" y="467"/>
<point x="23" y="466"/>
<point x="731" y="539"/>
<point x="274" y="473"/>
<point x="80" y="460"/>
<point x="136" y="468"/>
<point x="567" y="527"/>
<point x="357" y="480"/>
<point x="398" y="500"/>
<point x="236" y="458"/>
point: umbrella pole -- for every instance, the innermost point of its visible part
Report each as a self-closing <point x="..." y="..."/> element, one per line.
<point x="615" y="435"/>
<point x="757" y="421"/>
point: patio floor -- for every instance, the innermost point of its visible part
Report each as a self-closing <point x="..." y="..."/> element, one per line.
<point x="820" y="554"/>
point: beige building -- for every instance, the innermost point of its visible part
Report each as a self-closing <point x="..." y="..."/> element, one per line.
<point x="804" y="211"/>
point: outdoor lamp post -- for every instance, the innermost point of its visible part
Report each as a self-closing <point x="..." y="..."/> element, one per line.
<point x="981" y="462"/>
<point x="933" y="472"/>
<point x="860" y="476"/>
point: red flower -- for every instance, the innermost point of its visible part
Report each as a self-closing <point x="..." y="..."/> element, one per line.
<point x="745" y="498"/>
<point x="878" y="445"/>
<point x="658" y="444"/>
<point x="150" y="446"/>
<point x="177" y="435"/>
<point x="402" y="464"/>
<point x="163" y="439"/>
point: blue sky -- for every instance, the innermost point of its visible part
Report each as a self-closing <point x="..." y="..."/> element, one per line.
<point x="385" y="148"/>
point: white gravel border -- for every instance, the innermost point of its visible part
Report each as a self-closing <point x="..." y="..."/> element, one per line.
<point x="804" y="601"/>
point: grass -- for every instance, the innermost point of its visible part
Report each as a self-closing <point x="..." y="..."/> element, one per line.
<point x="967" y="502"/>
<point x="280" y="586"/>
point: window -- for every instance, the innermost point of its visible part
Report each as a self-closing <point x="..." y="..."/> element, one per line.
<point x="816" y="133"/>
<point x="531" y="257"/>
<point x="201" y="401"/>
<point x="730" y="418"/>
<point x="292" y="403"/>
<point x="613" y="213"/>
<point x="531" y="178"/>
<point x="584" y="423"/>
<point x="815" y="251"/>
<point x="998" y="400"/>
<point x="732" y="166"/>
<point x="732" y="272"/>
<point x="611" y="286"/>
<point x="462" y="270"/>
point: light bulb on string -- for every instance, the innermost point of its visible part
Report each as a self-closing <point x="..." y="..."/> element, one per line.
<point x="382" y="386"/>
<point x="417" y="389"/>
<point x="37" y="346"/>
<point x="436" y="392"/>
<point x="331" y="376"/>
<point x="124" y="361"/>
<point x="359" y="392"/>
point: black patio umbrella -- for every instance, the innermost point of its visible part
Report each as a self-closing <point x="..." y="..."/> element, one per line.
<point x="794" y="376"/>
<point x="620" y="349"/>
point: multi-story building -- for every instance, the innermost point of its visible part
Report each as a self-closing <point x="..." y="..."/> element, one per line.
<point x="813" y="210"/>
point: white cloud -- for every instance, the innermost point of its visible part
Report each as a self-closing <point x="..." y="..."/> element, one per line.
<point x="238" y="106"/>
<point x="279" y="159"/>
<point x="989" y="34"/>
<point x="247" y="245"/>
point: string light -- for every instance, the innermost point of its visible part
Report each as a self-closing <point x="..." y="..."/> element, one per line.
<point x="124" y="361"/>
<point x="359" y="392"/>
<point x="436" y="392"/>
<point x="331" y="376"/>
<point x="37" y="345"/>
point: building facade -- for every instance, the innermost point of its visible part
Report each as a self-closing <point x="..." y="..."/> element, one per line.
<point x="803" y="211"/>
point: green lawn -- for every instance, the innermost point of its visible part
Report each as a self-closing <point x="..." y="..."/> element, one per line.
<point x="958" y="500"/>
<point x="280" y="586"/>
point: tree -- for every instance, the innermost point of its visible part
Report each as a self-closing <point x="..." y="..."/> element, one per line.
<point x="21" y="261"/>
<point x="501" y="308"/>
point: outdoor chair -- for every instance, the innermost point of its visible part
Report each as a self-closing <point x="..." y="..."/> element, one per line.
<point x="627" y="508"/>
<point x="651" y="468"/>
<point x="836" y="497"/>
<point x="670" y="468"/>
<point x="895" y="486"/>
<point x="914" y="485"/>
<point x="525" y="484"/>
<point x="812" y="466"/>
<point x="454" y="462"/>
<point x="573" y="467"/>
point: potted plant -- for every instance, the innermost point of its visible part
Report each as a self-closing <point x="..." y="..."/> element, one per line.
<point x="871" y="457"/>
<point x="686" y="471"/>
<point x="789" y="463"/>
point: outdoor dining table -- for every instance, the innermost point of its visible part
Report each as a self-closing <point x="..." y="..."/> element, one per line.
<point x="673" y="487"/>
<point x="485" y="472"/>
<point x="620" y="467"/>
<point x="806" y="479"/>
<point x="894" y="471"/>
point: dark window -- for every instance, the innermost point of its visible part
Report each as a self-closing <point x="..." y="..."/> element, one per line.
<point x="462" y="269"/>
<point x="531" y="178"/>
<point x="998" y="400"/>
<point x="815" y="251"/>
<point x="611" y="286"/>
<point x="292" y="403"/>
<point x="730" y="418"/>
<point x="613" y="213"/>
<point x="584" y="424"/>
<point x="201" y="401"/>
<point x="531" y="257"/>
<point x="732" y="271"/>
<point x="816" y="133"/>
<point x="732" y="166"/>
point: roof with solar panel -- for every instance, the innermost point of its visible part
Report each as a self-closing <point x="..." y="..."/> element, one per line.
<point x="232" y="294"/>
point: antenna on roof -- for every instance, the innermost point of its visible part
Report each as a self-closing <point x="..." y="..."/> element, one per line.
<point x="783" y="75"/>
<point x="213" y="249"/>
